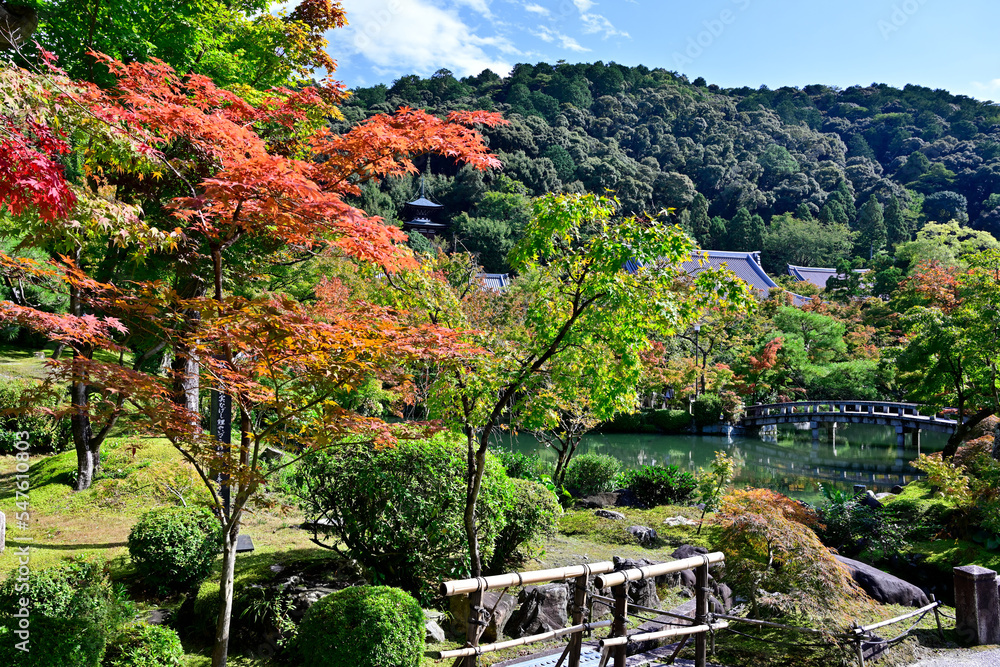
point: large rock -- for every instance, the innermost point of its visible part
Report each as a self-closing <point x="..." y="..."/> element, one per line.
<point x="433" y="633"/>
<point x="882" y="586"/>
<point x="644" y="534"/>
<point x="869" y="500"/>
<point x="460" y="612"/>
<point x="610" y="514"/>
<point x="598" y="501"/>
<point x="641" y="592"/>
<point x="542" y="609"/>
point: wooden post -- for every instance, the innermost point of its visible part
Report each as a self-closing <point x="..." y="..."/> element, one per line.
<point x="581" y="584"/>
<point x="937" y="617"/>
<point x="619" y="627"/>
<point x="473" y="630"/>
<point x="701" y="613"/>
<point x="860" y="647"/>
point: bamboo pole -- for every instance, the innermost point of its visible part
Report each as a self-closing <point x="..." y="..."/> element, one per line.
<point x="619" y="627"/>
<point x="473" y="629"/>
<point x="875" y="626"/>
<point x="662" y="634"/>
<point x="580" y="586"/>
<point x="457" y="587"/>
<point x="660" y="569"/>
<point x="770" y="624"/>
<point x="701" y="614"/>
<point x="473" y="651"/>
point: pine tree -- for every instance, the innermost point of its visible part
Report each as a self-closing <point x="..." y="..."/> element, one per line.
<point x="803" y="212"/>
<point x="700" y="222"/>
<point x="871" y="225"/>
<point x="845" y="195"/>
<point x="896" y="226"/>
<point x="857" y="146"/>
<point x="746" y="232"/>
<point x="718" y="235"/>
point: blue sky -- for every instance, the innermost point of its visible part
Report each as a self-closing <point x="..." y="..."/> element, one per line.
<point x="949" y="44"/>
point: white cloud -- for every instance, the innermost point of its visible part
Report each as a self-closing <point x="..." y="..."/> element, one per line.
<point x="537" y="9"/>
<point x="417" y="36"/>
<point x="989" y="87"/>
<point x="565" y="41"/>
<point x="595" y="23"/>
<point x="480" y="6"/>
<point x="584" y="5"/>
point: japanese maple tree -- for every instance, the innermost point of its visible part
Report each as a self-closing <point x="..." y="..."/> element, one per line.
<point x="220" y="171"/>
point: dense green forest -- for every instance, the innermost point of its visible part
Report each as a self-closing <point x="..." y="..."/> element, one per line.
<point x="787" y="171"/>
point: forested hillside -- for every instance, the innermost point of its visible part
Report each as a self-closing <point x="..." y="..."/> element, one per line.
<point x="727" y="160"/>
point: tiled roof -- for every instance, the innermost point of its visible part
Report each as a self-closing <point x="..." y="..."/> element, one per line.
<point x="746" y="266"/>
<point x="816" y="276"/>
<point x="495" y="281"/>
<point x="811" y="274"/>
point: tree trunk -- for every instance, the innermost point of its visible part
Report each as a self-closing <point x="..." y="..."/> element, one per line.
<point x="963" y="430"/>
<point x="476" y="467"/>
<point x="220" y="652"/>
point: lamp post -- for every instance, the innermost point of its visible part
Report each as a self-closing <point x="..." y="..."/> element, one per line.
<point x="697" y="351"/>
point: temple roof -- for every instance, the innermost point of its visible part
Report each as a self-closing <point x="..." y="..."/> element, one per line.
<point x="816" y="275"/>
<point x="746" y="266"/>
<point x="423" y="202"/>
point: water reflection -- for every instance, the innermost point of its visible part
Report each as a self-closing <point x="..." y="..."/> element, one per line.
<point x="787" y="460"/>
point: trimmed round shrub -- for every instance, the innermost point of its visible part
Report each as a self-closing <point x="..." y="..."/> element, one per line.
<point x="174" y="548"/>
<point x="707" y="410"/>
<point x="531" y="514"/>
<point x="73" y="610"/>
<point x="363" y="626"/>
<point x="670" y="421"/>
<point x="659" y="485"/>
<point x="588" y="474"/>
<point x="144" y="645"/>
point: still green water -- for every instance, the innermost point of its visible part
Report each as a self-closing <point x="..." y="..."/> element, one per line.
<point x="788" y="462"/>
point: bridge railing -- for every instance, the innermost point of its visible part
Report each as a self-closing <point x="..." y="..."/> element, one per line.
<point x="874" y="408"/>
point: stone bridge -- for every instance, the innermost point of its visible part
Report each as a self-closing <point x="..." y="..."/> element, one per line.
<point x="904" y="417"/>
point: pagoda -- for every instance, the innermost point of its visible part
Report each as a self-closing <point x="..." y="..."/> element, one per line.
<point x="418" y="215"/>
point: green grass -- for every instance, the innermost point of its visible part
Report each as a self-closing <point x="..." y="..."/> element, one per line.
<point x="16" y="362"/>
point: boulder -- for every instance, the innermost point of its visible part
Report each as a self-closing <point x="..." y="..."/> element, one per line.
<point x="610" y="514"/>
<point x="434" y="632"/>
<point x="675" y="521"/>
<point x="644" y="534"/>
<point x="642" y="592"/>
<point x="882" y="586"/>
<point x="542" y="609"/>
<point x="869" y="500"/>
<point x="598" y="501"/>
<point x="896" y="490"/>
<point x="460" y="614"/>
<point x="687" y="551"/>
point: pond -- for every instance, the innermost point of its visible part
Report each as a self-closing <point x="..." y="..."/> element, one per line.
<point x="788" y="461"/>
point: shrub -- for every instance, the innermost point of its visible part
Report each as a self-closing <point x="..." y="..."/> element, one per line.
<point x="531" y="514"/>
<point x="74" y="610"/>
<point x="174" y="548"/>
<point x="144" y="645"/>
<point x="776" y="561"/>
<point x="406" y="528"/>
<point x="853" y="528"/>
<point x="659" y="485"/>
<point x="707" y="410"/>
<point x="518" y="465"/>
<point x="670" y="421"/>
<point x="44" y="432"/>
<point x="627" y="423"/>
<point x="363" y="626"/>
<point x="588" y="474"/>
